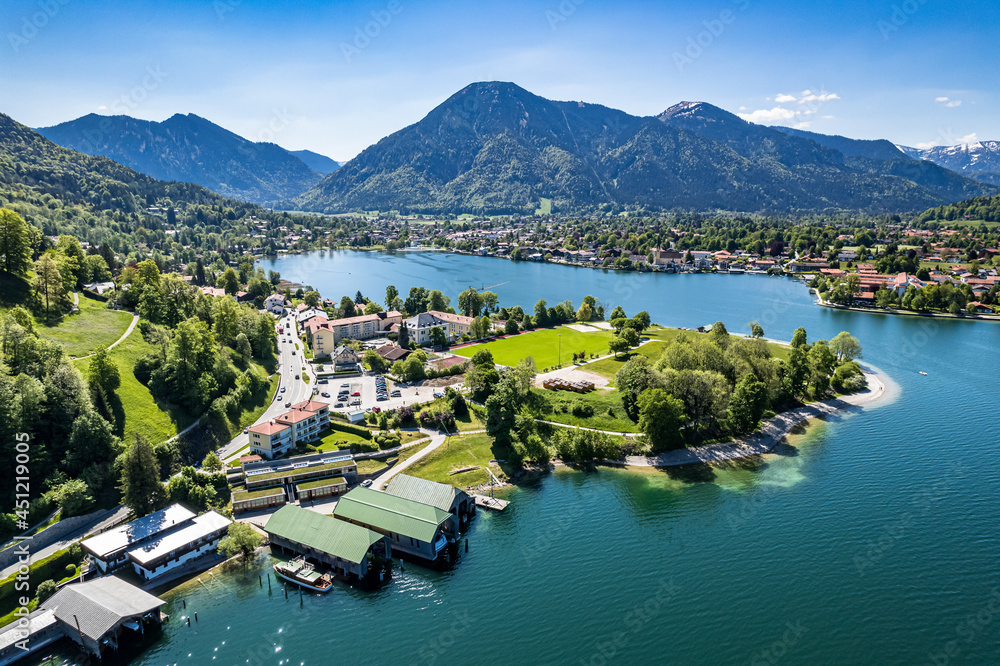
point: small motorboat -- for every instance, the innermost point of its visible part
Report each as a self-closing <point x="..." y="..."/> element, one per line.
<point x="923" y="373"/>
<point x="302" y="573"/>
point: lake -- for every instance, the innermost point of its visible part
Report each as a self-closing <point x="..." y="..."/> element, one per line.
<point x="873" y="537"/>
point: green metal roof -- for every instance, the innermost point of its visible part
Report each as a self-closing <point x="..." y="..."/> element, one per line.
<point x="436" y="494"/>
<point x="323" y="533"/>
<point x="391" y="513"/>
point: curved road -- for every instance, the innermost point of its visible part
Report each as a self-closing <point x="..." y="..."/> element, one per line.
<point x="290" y="362"/>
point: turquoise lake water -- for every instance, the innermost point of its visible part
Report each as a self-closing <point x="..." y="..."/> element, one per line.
<point x="873" y="538"/>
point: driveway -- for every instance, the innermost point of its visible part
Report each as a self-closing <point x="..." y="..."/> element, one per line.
<point x="290" y="363"/>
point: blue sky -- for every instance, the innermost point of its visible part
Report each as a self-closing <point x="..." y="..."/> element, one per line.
<point x="305" y="75"/>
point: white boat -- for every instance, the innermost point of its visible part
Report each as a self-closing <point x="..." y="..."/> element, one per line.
<point x="302" y="573"/>
<point x="923" y="373"/>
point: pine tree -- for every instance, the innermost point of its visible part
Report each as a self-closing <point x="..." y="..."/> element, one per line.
<point x="140" y="482"/>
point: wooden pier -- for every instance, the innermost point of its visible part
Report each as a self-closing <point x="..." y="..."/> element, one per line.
<point x="487" y="502"/>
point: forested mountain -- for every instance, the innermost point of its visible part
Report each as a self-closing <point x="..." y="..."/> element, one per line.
<point x="878" y="149"/>
<point x="191" y="149"/>
<point x="321" y="164"/>
<point x="840" y="159"/>
<point x="496" y="148"/>
<point x="980" y="208"/>
<point x="979" y="160"/>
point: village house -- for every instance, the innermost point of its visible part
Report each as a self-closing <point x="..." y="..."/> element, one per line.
<point x="109" y="550"/>
<point x="170" y="549"/>
<point x="345" y="359"/>
<point x="302" y="423"/>
<point x="325" y="337"/>
<point x="275" y="304"/>
<point x="453" y="325"/>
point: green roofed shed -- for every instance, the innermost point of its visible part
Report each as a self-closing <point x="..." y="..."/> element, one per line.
<point x="391" y="514"/>
<point x="322" y="533"/>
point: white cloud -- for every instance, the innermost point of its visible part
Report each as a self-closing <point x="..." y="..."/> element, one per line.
<point x="949" y="140"/>
<point x="797" y="116"/>
<point x="940" y="99"/>
<point x="764" y="116"/>
<point x="102" y="108"/>
<point x="952" y="104"/>
<point x="827" y="117"/>
<point x="822" y="97"/>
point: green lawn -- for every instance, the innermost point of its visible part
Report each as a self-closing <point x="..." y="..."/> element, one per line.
<point x="93" y="327"/>
<point x="370" y="466"/>
<point x="458" y="452"/>
<point x="659" y="337"/>
<point x="543" y="345"/>
<point x="608" y="413"/>
<point x="136" y="410"/>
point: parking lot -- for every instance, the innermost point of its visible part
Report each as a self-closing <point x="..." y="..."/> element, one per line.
<point x="366" y="387"/>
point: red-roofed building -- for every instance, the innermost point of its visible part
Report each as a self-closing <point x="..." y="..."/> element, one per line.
<point x="302" y="423"/>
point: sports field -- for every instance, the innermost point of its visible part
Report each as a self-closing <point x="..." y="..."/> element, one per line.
<point x="543" y="345"/>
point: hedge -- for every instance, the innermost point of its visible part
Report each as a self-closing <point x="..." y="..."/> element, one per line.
<point x="53" y="567"/>
<point x="353" y="429"/>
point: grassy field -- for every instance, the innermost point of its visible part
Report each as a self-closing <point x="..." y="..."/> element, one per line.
<point x="136" y="410"/>
<point x="93" y="327"/>
<point x="456" y="453"/>
<point x="608" y="413"/>
<point x="545" y="208"/>
<point x="543" y="345"/>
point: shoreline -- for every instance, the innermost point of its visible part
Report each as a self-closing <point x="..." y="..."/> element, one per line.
<point x="772" y="432"/>
<point x="908" y="313"/>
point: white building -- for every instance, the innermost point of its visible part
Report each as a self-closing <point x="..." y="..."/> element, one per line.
<point x="453" y="325"/>
<point x="171" y="549"/>
<point x="110" y="549"/>
<point x="275" y="304"/>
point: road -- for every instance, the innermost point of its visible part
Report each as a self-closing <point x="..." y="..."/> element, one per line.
<point x="290" y="362"/>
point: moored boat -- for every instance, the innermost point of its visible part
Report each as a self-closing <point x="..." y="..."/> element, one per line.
<point x="302" y="573"/>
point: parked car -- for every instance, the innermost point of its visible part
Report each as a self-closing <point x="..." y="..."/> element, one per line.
<point x="323" y="381"/>
<point x="376" y="409"/>
<point x="345" y="385"/>
<point x="365" y="484"/>
<point x="396" y="394"/>
<point x="325" y="394"/>
<point x="339" y="405"/>
<point x="356" y="394"/>
<point x="288" y="404"/>
<point x="382" y="398"/>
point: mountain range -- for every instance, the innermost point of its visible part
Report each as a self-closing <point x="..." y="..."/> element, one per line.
<point x="979" y="160"/>
<point x="192" y="149"/>
<point x="494" y="147"/>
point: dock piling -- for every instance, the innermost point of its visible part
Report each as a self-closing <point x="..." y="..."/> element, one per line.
<point x="196" y="616"/>
<point x="466" y="544"/>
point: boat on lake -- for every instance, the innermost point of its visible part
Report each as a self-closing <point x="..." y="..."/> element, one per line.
<point x="302" y="573"/>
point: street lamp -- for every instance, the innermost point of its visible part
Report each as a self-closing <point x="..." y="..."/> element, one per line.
<point x="559" y="336"/>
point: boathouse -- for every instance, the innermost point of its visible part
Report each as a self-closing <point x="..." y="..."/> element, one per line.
<point x="442" y="495"/>
<point x="110" y="549"/>
<point x="420" y="531"/>
<point x="352" y="551"/>
<point x="100" y="615"/>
